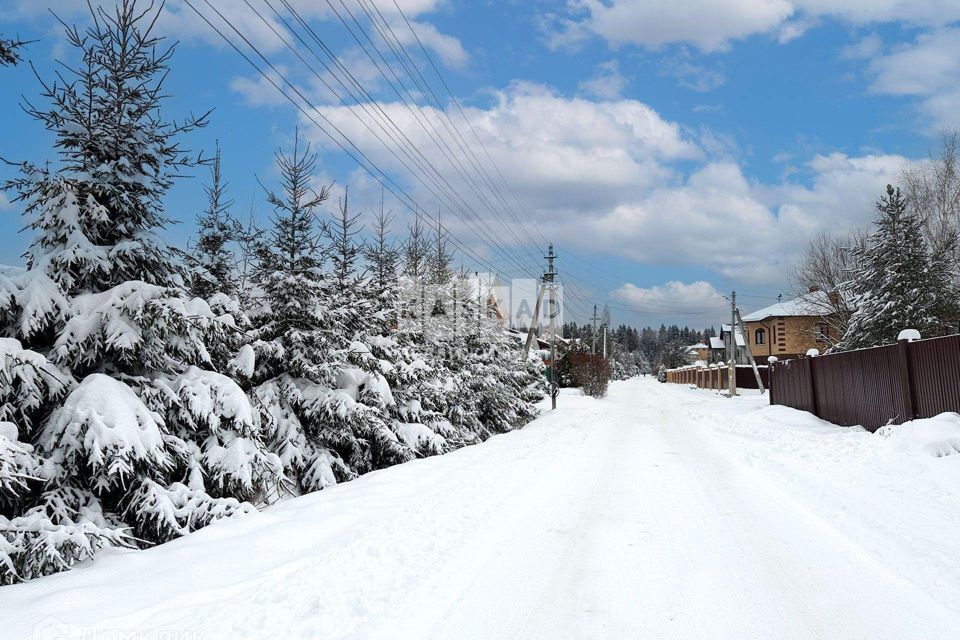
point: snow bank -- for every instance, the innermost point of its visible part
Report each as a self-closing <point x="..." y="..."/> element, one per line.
<point x="938" y="436"/>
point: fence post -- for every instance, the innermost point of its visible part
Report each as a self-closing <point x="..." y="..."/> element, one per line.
<point x="771" y="374"/>
<point x="903" y="350"/>
<point x="808" y="367"/>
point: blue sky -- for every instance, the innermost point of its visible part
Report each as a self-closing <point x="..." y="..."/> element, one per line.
<point x="673" y="151"/>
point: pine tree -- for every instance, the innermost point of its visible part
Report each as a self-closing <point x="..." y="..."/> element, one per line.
<point x="440" y="259"/>
<point x="102" y="303"/>
<point x="415" y="251"/>
<point x="313" y="397"/>
<point x="352" y="288"/>
<point x="898" y="283"/>
<point x="384" y="260"/>
<point x="212" y="259"/>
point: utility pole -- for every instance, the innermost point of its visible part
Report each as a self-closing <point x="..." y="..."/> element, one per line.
<point x="753" y="363"/>
<point x="593" y="344"/>
<point x="455" y="311"/>
<point x="548" y="280"/>
<point x="732" y="375"/>
<point x="604" y="342"/>
<point x="479" y="300"/>
<point x="536" y="317"/>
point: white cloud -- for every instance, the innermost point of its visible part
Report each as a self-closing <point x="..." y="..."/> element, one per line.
<point x="258" y="91"/>
<point x="607" y="82"/>
<point x="261" y="27"/>
<point x="866" y="48"/>
<point x="449" y="49"/>
<point x="707" y="24"/>
<point x="795" y="28"/>
<point x="590" y="151"/>
<point x="5" y="204"/>
<point x="918" y="12"/>
<point x="673" y="298"/>
<point x="690" y="75"/>
<point x="929" y="69"/>
<point x="711" y="25"/>
<point x="615" y="176"/>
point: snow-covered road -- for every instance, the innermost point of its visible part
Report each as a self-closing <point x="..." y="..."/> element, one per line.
<point x="658" y="512"/>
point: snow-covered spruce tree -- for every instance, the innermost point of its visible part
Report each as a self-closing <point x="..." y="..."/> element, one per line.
<point x="898" y="284"/>
<point x="414" y="414"/>
<point x="371" y="355"/>
<point x="313" y="418"/>
<point x="212" y="259"/>
<point x="492" y="384"/>
<point x="503" y="383"/>
<point x="102" y="300"/>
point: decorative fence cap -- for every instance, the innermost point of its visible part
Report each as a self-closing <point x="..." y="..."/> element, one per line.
<point x="813" y="352"/>
<point x="909" y="335"/>
<point x="773" y="359"/>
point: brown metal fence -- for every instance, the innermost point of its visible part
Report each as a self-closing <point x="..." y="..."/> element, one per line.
<point x="746" y="379"/>
<point x="873" y="387"/>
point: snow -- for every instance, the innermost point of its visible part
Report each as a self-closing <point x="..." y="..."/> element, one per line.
<point x="213" y="396"/>
<point x="658" y="512"/>
<point x="810" y="304"/>
<point x="938" y="436"/>
<point x="105" y="422"/>
<point x="243" y="364"/>
<point x="419" y="437"/>
<point x="909" y="334"/>
<point x="9" y="431"/>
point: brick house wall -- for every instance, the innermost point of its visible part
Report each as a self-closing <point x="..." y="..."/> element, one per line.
<point x="787" y="337"/>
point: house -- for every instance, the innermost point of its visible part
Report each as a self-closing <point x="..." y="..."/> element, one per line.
<point x="788" y="329"/>
<point x="699" y="352"/>
<point x="718" y="346"/>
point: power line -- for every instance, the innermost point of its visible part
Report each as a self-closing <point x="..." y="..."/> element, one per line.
<point x="346" y="145"/>
<point x="445" y="198"/>
<point x="386" y="69"/>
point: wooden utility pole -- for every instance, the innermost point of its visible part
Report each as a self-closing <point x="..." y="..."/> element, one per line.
<point x="536" y="317"/>
<point x="548" y="280"/>
<point x="593" y="344"/>
<point x="732" y="364"/>
<point x="479" y="300"/>
<point x="753" y="363"/>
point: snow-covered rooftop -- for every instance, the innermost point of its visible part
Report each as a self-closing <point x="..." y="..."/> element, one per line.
<point x="725" y="328"/>
<point x="810" y="304"/>
<point x="699" y="345"/>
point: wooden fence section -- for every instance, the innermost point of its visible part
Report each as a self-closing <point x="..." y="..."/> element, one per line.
<point x="873" y="387"/>
<point x="716" y="376"/>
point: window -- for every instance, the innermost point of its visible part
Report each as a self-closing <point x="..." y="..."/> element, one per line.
<point x="760" y="337"/>
<point x="822" y="332"/>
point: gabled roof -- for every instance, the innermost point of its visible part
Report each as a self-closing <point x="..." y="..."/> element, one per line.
<point x="717" y="343"/>
<point x="810" y="304"/>
<point x="725" y="328"/>
<point x="699" y="345"/>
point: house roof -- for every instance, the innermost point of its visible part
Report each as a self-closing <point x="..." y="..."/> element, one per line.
<point x="716" y="343"/>
<point x="810" y="304"/>
<point x="725" y="328"/>
<point x="699" y="345"/>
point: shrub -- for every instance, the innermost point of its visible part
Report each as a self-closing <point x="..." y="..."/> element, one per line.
<point x="591" y="373"/>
